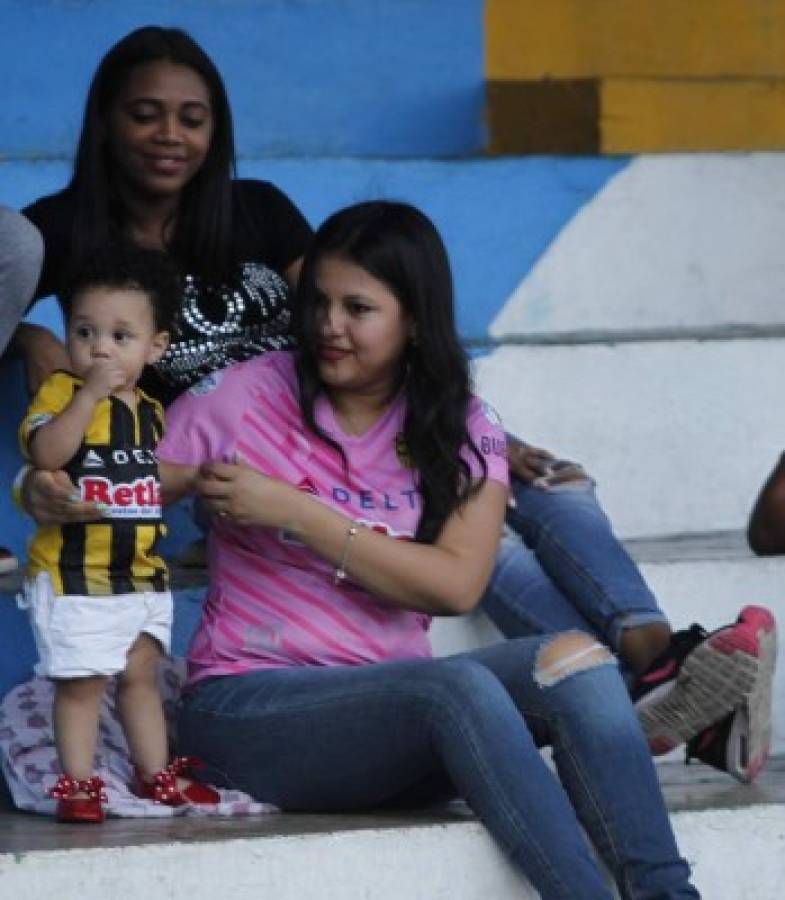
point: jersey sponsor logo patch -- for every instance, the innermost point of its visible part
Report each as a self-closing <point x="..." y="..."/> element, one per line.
<point x="492" y="446"/>
<point x="139" y="499"/>
<point x="38" y="420"/>
<point x="491" y="414"/>
<point x="134" y="456"/>
<point x="207" y="385"/>
<point x="307" y="486"/>
<point x="287" y="537"/>
<point x="115" y="458"/>
<point x="384" y="528"/>
<point x="92" y="460"/>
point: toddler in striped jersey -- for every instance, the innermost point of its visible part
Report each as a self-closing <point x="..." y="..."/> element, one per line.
<point x="97" y="590"/>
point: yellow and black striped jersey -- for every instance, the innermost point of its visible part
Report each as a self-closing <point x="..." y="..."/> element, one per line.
<point x="115" y="466"/>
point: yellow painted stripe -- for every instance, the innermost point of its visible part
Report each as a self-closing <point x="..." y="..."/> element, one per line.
<point x="643" y="116"/>
<point x="532" y="39"/>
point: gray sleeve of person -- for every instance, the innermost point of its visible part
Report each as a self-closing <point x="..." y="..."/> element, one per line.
<point x="21" y="255"/>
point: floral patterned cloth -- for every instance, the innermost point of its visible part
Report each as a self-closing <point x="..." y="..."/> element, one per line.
<point x="29" y="761"/>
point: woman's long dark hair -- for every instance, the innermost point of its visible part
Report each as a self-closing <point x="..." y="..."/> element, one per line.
<point x="398" y="245"/>
<point x="202" y="239"/>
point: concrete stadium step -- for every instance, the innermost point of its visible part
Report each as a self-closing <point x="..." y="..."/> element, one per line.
<point x="731" y="834"/>
<point x="679" y="434"/>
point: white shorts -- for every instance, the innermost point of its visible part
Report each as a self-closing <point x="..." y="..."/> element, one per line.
<point x="82" y="636"/>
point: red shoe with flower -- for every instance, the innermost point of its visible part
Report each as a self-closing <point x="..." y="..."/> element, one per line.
<point x="71" y="808"/>
<point x="163" y="787"/>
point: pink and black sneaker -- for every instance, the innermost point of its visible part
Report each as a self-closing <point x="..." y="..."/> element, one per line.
<point x="702" y="678"/>
<point x="726" y="746"/>
<point x="739" y="744"/>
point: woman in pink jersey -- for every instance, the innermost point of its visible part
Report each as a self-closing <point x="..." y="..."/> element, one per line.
<point x="359" y="489"/>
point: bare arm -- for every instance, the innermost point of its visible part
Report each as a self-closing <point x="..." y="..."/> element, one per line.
<point x="766" y="528"/>
<point x="56" y="441"/>
<point x="176" y="481"/>
<point x="444" y="578"/>
<point x="42" y="352"/>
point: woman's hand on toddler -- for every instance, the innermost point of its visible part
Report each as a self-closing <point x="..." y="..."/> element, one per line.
<point x="51" y="498"/>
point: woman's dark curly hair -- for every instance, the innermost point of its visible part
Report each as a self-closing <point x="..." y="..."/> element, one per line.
<point x="399" y="246"/>
<point x="202" y="238"/>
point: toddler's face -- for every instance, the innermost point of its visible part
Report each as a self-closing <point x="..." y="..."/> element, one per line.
<point x="114" y="325"/>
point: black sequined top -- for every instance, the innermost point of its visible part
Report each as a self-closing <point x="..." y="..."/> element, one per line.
<point x="217" y="324"/>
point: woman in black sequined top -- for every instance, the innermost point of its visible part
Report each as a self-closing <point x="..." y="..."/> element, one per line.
<point x="155" y="166"/>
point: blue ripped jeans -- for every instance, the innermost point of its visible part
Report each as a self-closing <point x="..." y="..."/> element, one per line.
<point x="405" y="734"/>
<point x="567" y="570"/>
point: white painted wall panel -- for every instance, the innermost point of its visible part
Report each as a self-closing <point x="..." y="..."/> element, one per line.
<point x="692" y="240"/>
<point x="679" y="435"/>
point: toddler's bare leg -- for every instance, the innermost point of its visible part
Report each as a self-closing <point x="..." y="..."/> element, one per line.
<point x="76" y="706"/>
<point x="140" y="708"/>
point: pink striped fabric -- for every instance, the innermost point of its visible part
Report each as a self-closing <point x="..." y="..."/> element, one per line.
<point x="271" y="602"/>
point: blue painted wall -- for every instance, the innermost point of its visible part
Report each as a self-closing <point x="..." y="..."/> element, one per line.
<point x="305" y="77"/>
